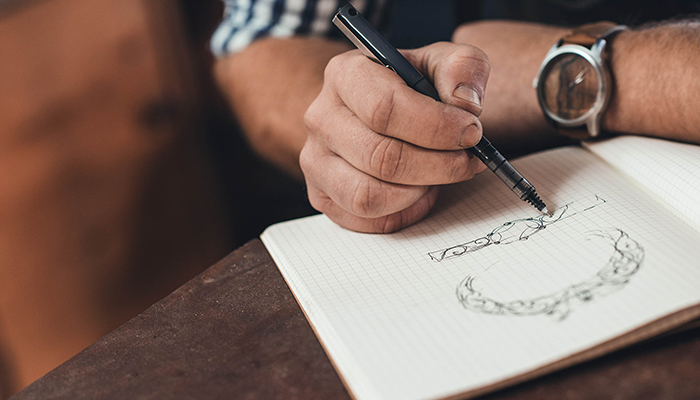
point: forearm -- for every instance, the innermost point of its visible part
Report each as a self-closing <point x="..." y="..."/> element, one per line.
<point x="657" y="82"/>
<point x="655" y="70"/>
<point x="269" y="86"/>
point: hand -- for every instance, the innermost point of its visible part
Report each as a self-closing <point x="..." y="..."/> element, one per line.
<point x="376" y="149"/>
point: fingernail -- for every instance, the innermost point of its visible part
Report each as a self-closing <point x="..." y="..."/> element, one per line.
<point x="469" y="94"/>
<point x="470" y="136"/>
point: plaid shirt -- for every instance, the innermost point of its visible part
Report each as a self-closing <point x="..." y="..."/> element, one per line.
<point x="248" y="20"/>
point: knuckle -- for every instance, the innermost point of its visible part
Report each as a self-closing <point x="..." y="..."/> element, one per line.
<point x="339" y="66"/>
<point x="481" y="56"/>
<point x="471" y="57"/>
<point x="383" y="111"/>
<point x="455" y="56"/>
<point x="305" y="159"/>
<point x="369" y="199"/>
<point x="320" y="202"/>
<point x="466" y="58"/>
<point x="442" y="127"/>
<point x="467" y="52"/>
<point x="312" y="117"/>
<point x="392" y="223"/>
<point x="333" y="65"/>
<point x="387" y="160"/>
<point x="460" y="168"/>
<point x="482" y="64"/>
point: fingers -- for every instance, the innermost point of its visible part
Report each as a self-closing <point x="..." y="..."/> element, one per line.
<point x="459" y="73"/>
<point x="386" y="105"/>
<point x="386" y="158"/>
<point x="352" y="190"/>
<point x="376" y="148"/>
<point x="383" y="224"/>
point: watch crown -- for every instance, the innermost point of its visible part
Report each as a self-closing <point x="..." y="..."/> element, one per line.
<point x="534" y="83"/>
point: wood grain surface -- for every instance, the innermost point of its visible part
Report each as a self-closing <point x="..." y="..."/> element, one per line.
<point x="236" y="332"/>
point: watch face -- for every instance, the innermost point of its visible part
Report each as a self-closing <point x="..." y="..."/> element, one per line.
<point x="570" y="86"/>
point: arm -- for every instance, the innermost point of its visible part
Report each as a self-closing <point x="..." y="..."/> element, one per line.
<point x="372" y="149"/>
<point x="270" y="85"/>
<point x="655" y="71"/>
<point x="270" y="67"/>
<point x="657" y="82"/>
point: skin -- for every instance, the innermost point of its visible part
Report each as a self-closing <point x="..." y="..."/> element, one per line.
<point x="381" y="171"/>
<point x="270" y="102"/>
<point x="372" y="165"/>
<point x="647" y="65"/>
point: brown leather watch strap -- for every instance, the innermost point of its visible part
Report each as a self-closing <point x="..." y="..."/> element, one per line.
<point x="576" y="133"/>
<point x="586" y="35"/>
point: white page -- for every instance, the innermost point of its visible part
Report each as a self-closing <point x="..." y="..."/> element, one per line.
<point x="669" y="170"/>
<point x="395" y="321"/>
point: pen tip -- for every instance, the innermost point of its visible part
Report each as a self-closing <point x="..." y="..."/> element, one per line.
<point x="536" y="202"/>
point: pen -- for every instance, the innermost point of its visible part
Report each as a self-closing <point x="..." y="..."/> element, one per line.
<point x="377" y="48"/>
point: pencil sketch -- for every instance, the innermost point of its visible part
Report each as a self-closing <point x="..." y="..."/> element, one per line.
<point x="625" y="261"/>
<point x="518" y="230"/>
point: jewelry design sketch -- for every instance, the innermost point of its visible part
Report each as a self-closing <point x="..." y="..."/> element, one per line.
<point x="518" y="230"/>
<point x="625" y="261"/>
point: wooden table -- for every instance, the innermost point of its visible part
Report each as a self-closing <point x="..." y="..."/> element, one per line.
<point x="235" y="331"/>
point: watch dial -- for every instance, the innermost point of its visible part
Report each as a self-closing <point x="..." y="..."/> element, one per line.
<point x="570" y="87"/>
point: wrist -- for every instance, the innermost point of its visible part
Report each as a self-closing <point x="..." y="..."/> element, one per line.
<point x="574" y="84"/>
<point x="614" y="119"/>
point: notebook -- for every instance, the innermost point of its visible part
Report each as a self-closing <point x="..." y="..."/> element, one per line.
<point x="486" y="292"/>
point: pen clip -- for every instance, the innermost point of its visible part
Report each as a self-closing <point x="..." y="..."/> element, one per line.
<point x="373" y="45"/>
<point x="350" y="35"/>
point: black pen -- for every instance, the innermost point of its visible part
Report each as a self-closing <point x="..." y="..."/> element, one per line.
<point x="376" y="47"/>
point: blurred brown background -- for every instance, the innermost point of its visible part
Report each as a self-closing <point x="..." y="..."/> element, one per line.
<point x="121" y="172"/>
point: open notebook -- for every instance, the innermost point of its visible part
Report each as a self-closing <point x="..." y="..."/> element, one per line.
<point x="485" y="292"/>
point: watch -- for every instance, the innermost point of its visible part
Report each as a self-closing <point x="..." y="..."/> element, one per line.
<point x="574" y="84"/>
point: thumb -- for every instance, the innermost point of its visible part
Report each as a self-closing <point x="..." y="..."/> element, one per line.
<point x="459" y="72"/>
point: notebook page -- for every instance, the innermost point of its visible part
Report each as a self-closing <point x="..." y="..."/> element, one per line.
<point x="486" y="289"/>
<point x="669" y="170"/>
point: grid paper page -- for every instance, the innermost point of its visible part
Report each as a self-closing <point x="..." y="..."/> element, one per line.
<point x="514" y="291"/>
<point x="669" y="170"/>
